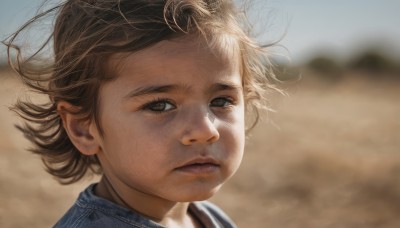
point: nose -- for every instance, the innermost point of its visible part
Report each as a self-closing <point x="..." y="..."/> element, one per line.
<point x="200" y="128"/>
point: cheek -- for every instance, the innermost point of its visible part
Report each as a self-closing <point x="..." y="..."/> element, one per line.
<point x="135" y="140"/>
<point x="238" y="126"/>
<point x="239" y="131"/>
<point x="233" y="135"/>
<point x="233" y="150"/>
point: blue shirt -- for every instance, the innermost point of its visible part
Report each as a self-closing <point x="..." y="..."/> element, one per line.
<point x="90" y="210"/>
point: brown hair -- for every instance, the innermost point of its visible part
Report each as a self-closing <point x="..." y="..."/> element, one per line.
<point x="86" y="33"/>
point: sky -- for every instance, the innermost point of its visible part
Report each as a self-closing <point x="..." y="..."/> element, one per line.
<point x="304" y="27"/>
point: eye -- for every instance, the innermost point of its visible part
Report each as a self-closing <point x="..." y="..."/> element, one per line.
<point x="161" y="105"/>
<point x="221" y="102"/>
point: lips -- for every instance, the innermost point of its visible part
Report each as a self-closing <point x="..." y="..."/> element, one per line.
<point x="202" y="165"/>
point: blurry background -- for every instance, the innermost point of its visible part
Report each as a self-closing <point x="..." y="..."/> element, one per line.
<point x="328" y="157"/>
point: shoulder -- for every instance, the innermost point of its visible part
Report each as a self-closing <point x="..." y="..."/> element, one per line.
<point x="209" y="211"/>
<point x="92" y="211"/>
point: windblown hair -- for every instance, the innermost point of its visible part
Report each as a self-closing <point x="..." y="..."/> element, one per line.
<point x="86" y="33"/>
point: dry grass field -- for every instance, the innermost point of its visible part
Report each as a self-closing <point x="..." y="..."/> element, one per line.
<point x="329" y="157"/>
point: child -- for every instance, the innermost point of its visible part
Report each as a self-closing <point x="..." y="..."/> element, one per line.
<point x="152" y="95"/>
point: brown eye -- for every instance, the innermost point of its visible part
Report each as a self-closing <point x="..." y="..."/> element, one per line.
<point x="221" y="102"/>
<point x="159" y="106"/>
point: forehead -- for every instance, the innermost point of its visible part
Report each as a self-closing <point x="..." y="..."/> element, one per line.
<point x="222" y="51"/>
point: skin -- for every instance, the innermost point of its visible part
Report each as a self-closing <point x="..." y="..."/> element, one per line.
<point x="173" y="123"/>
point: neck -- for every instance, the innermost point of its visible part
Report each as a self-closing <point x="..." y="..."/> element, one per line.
<point x="170" y="214"/>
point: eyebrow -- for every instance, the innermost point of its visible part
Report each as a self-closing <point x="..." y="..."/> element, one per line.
<point x="141" y="91"/>
<point x="225" y="86"/>
<point x="146" y="90"/>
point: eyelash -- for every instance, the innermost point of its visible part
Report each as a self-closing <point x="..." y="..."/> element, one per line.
<point x="151" y="105"/>
<point x="228" y="102"/>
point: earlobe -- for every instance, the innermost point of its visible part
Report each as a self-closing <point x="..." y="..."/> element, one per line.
<point x="79" y="130"/>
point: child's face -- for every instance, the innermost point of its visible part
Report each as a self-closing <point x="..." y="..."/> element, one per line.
<point x="173" y="121"/>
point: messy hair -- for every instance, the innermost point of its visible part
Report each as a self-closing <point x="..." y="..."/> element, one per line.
<point x="86" y="34"/>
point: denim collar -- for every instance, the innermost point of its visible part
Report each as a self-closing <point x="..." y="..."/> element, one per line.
<point x="89" y="200"/>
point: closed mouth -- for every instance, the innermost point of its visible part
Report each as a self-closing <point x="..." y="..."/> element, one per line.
<point x="199" y="166"/>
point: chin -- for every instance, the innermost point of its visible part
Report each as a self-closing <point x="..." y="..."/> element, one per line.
<point x="198" y="194"/>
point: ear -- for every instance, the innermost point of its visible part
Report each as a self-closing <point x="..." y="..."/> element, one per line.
<point x="81" y="131"/>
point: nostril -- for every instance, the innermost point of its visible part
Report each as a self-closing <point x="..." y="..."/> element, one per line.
<point x="213" y="139"/>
